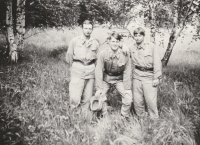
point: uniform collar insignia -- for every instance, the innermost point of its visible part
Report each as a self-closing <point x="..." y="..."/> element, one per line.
<point x="82" y="37"/>
<point x="112" y="55"/>
<point x="142" y="46"/>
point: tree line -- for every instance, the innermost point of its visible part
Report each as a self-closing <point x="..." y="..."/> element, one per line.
<point x="17" y="16"/>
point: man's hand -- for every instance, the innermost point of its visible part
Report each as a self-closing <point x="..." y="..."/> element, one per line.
<point x="98" y="93"/>
<point x="125" y="49"/>
<point x="156" y="82"/>
<point x="68" y="75"/>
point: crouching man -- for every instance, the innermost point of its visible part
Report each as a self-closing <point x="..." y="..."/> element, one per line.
<point x="114" y="68"/>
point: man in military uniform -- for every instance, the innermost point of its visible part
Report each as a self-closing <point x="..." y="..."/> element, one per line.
<point x="114" y="68"/>
<point x="146" y="75"/>
<point x="81" y="56"/>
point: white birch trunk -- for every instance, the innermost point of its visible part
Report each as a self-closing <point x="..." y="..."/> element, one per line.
<point x="9" y="22"/>
<point x="20" y="24"/>
<point x="175" y="32"/>
<point x="152" y="22"/>
<point x="10" y="34"/>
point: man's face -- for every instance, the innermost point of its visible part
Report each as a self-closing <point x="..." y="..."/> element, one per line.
<point x="114" y="43"/>
<point x="87" y="29"/>
<point x="139" y="38"/>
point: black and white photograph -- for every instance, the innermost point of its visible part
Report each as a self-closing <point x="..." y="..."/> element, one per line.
<point x="99" y="72"/>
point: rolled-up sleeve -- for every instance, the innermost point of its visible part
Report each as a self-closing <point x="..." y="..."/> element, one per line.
<point x="99" y="71"/>
<point x="69" y="54"/>
<point x="127" y="74"/>
<point x="157" y="64"/>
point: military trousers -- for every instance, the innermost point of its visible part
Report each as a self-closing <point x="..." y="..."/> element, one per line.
<point x="144" y="92"/>
<point x="80" y="92"/>
<point x="126" y="97"/>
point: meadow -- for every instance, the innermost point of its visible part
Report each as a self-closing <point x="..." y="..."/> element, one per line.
<point x="34" y="106"/>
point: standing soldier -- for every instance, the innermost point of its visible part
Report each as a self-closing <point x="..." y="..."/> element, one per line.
<point x="114" y="68"/>
<point x="81" y="56"/>
<point x="146" y="75"/>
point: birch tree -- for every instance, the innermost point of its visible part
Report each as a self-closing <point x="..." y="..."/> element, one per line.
<point x="152" y="6"/>
<point x="9" y="23"/>
<point x="10" y="32"/>
<point x="176" y="30"/>
<point x="20" y="24"/>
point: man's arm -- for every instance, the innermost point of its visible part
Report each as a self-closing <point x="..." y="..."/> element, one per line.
<point x="98" y="50"/>
<point x="99" y="72"/>
<point x="69" y="54"/>
<point x="127" y="74"/>
<point x="125" y="49"/>
<point x="69" y="58"/>
<point x="157" y="72"/>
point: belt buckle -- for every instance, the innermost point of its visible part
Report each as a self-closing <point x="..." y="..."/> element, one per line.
<point x="143" y="69"/>
<point x="86" y="63"/>
<point x="110" y="74"/>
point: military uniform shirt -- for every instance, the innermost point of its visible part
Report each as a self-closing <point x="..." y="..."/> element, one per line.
<point x="84" y="51"/>
<point x="115" y="62"/>
<point x="146" y="56"/>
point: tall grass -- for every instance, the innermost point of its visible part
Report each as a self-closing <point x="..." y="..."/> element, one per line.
<point x="35" y="108"/>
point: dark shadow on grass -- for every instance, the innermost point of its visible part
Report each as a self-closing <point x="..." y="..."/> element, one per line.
<point x="55" y="53"/>
<point x="190" y="77"/>
<point x="43" y="55"/>
<point x="4" y="55"/>
<point x="10" y="125"/>
<point x="11" y="129"/>
<point x="197" y="133"/>
<point x="31" y="54"/>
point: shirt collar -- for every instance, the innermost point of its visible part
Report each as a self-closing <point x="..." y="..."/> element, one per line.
<point x="113" y="55"/>
<point x="82" y="37"/>
<point x="142" y="46"/>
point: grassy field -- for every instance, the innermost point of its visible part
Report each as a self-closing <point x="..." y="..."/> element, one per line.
<point x="34" y="107"/>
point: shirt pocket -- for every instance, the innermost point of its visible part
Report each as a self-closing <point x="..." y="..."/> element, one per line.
<point x="79" y="49"/>
<point x="148" y="56"/>
<point x="79" y="44"/>
<point x="134" y="57"/>
<point x="121" y="66"/>
<point x="133" y="53"/>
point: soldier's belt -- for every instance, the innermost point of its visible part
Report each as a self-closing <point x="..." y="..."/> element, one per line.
<point x="113" y="74"/>
<point x="88" y="63"/>
<point x="144" y="68"/>
<point x="107" y="77"/>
